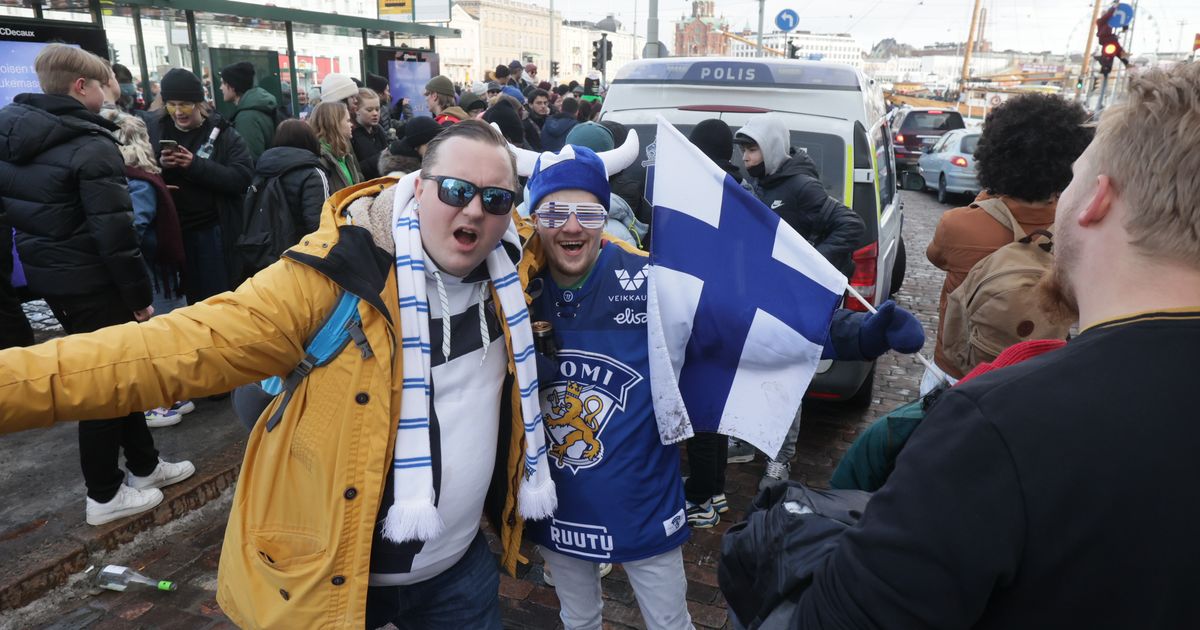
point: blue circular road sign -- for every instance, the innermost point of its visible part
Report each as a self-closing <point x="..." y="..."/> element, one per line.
<point x="787" y="20"/>
<point x="1122" y="16"/>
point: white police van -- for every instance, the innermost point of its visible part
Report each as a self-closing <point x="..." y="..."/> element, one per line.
<point x="833" y="112"/>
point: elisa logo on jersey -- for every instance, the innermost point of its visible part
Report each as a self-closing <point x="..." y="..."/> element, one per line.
<point x="631" y="283"/>
<point x="587" y="390"/>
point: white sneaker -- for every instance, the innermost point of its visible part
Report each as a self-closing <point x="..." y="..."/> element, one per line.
<point x="164" y="475"/>
<point x="162" y="417"/>
<point x="605" y="569"/>
<point x="739" y="452"/>
<point x="127" y="502"/>
<point x="183" y="406"/>
<point x="775" y="472"/>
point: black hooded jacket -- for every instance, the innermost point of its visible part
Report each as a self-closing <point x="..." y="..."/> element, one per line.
<point x="63" y="187"/>
<point x="555" y="130"/>
<point x="795" y="193"/>
<point x="305" y="184"/>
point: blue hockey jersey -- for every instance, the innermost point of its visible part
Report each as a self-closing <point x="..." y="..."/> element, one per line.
<point x="620" y="494"/>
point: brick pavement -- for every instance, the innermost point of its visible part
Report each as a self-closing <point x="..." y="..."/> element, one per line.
<point x="187" y="550"/>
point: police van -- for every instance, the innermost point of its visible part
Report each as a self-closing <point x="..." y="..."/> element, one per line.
<point x="833" y="112"/>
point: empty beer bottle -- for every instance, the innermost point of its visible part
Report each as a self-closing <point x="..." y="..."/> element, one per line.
<point x="118" y="578"/>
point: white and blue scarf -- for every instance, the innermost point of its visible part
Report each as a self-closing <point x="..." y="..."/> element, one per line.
<point x="414" y="514"/>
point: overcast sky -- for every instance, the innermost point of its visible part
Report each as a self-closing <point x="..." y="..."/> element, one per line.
<point x="1030" y="25"/>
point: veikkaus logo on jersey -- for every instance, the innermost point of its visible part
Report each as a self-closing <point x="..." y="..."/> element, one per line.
<point x="634" y="282"/>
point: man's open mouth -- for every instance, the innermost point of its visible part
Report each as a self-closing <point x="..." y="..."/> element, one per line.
<point x="466" y="236"/>
<point x="571" y="246"/>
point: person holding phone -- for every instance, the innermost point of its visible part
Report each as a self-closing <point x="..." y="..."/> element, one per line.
<point x="209" y="188"/>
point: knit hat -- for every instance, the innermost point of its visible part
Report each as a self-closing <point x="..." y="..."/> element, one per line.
<point x="573" y="168"/>
<point x="545" y="85"/>
<point x="377" y="83"/>
<point x="530" y="68"/>
<point x="181" y="85"/>
<point x="418" y="131"/>
<point x="514" y="65"/>
<point x="492" y="86"/>
<point x="502" y="72"/>
<point x="337" y="87"/>
<point x="592" y="135"/>
<point x="470" y="101"/>
<point x="509" y="121"/>
<point x="239" y="76"/>
<point x="513" y="92"/>
<point x="440" y="84"/>
<point x="714" y="139"/>
<point x="479" y="88"/>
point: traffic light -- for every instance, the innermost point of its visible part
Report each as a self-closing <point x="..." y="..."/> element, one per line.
<point x="793" y="51"/>
<point x="607" y="49"/>
<point x="1079" y="84"/>
<point x="596" y="63"/>
<point x="553" y="69"/>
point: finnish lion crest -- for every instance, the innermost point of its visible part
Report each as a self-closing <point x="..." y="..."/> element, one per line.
<point x="587" y="390"/>
<point x="578" y="414"/>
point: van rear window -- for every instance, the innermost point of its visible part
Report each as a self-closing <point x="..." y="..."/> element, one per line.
<point x="937" y="121"/>
<point x="741" y="74"/>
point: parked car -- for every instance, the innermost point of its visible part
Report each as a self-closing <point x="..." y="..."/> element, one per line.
<point x="949" y="167"/>
<point x="833" y="111"/>
<point x="917" y="129"/>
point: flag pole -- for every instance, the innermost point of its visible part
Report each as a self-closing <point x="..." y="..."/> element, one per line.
<point x="920" y="357"/>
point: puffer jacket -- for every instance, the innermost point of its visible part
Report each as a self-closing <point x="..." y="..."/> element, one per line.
<point x="554" y="132"/>
<point x="62" y="186"/>
<point x="298" y="544"/>
<point x="254" y="120"/>
<point x="367" y="144"/>
<point x="792" y="188"/>
<point x="305" y="184"/>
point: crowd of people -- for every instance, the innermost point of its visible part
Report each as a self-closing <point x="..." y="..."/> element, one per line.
<point x="484" y="257"/>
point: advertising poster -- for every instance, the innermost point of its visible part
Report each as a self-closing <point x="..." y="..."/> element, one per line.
<point x="407" y="79"/>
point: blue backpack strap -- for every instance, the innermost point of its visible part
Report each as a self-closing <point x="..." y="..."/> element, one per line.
<point x="343" y="325"/>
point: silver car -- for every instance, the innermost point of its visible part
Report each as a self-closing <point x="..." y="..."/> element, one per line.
<point x="949" y="167"/>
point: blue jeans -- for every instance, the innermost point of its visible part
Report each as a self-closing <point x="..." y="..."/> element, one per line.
<point x="467" y="595"/>
<point x="204" y="271"/>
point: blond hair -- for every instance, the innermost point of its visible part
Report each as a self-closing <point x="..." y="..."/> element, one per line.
<point x="326" y="121"/>
<point x="135" y="141"/>
<point x="58" y="66"/>
<point x="1147" y="147"/>
<point x="365" y="94"/>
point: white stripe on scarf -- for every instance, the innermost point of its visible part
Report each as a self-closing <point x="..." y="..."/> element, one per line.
<point x="414" y="516"/>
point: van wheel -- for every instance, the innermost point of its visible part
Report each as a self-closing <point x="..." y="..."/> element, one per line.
<point x="862" y="398"/>
<point x="943" y="196"/>
<point x="899" y="269"/>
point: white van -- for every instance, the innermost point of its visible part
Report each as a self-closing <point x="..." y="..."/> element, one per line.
<point x="833" y="112"/>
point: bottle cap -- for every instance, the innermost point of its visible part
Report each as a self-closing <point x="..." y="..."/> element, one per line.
<point x="166" y="585"/>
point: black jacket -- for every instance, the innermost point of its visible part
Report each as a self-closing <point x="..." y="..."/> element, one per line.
<point x="63" y="187"/>
<point x="795" y="193"/>
<point x="1057" y="493"/>
<point x="367" y="146"/>
<point x="305" y="184"/>
<point x="554" y="132"/>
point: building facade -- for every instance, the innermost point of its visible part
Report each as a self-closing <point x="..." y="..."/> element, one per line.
<point x="703" y="34"/>
<point x="839" y="48"/>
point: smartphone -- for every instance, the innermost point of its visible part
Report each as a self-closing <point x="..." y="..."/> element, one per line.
<point x="166" y="146"/>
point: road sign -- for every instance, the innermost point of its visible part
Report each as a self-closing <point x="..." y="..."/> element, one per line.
<point x="787" y="20"/>
<point x="1122" y="16"/>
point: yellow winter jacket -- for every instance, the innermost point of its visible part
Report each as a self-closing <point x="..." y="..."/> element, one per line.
<point x="298" y="544"/>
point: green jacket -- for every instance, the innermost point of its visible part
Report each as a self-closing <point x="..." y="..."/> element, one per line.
<point x="254" y="120"/>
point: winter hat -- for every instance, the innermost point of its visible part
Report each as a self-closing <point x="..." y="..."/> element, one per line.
<point x="544" y="85"/>
<point x="377" y="83"/>
<point x="513" y="92"/>
<point x="714" y="139"/>
<point x="239" y="76"/>
<point x="592" y="135"/>
<point x="573" y="168"/>
<point x="530" y="68"/>
<point x="418" y="131"/>
<point x="337" y="87"/>
<point x="620" y="132"/>
<point x="479" y="87"/>
<point x="440" y="84"/>
<point x="503" y="114"/>
<point x="470" y="101"/>
<point x="181" y="85"/>
<point x="492" y="86"/>
<point x="502" y="72"/>
<point x="578" y="89"/>
<point x="514" y="65"/>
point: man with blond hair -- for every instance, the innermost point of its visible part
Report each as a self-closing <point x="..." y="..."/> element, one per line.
<point x="62" y="186"/>
<point x="1059" y="492"/>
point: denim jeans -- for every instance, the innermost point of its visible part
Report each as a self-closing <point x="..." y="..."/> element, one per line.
<point x="204" y="270"/>
<point x="467" y="595"/>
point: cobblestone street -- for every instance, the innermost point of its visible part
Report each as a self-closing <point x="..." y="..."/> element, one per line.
<point x="186" y="549"/>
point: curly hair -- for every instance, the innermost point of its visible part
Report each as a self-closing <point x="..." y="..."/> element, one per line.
<point x="1028" y="146"/>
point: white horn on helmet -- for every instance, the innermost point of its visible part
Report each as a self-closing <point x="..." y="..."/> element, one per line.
<point x="621" y="157"/>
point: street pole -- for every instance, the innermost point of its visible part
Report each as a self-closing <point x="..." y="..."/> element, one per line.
<point x="1103" y="88"/>
<point x="1087" y="48"/>
<point x="762" y="7"/>
<point x="652" y="45"/>
<point x="550" y="67"/>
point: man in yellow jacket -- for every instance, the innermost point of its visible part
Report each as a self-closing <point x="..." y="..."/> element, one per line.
<point x="323" y="533"/>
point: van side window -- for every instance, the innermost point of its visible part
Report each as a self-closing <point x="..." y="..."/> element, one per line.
<point x="885" y="172"/>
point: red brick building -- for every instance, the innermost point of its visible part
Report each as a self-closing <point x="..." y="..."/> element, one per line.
<point x="701" y="35"/>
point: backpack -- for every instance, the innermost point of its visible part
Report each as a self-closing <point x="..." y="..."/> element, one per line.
<point x="996" y="306"/>
<point x="268" y="224"/>
<point x="342" y="326"/>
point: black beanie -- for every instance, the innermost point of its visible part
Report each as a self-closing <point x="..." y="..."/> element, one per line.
<point x="418" y="131"/>
<point x="377" y="83"/>
<point x="239" y="76"/>
<point x="503" y="114"/>
<point x="714" y="138"/>
<point x="181" y="85"/>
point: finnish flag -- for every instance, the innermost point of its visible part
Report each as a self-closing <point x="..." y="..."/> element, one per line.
<point x="739" y="304"/>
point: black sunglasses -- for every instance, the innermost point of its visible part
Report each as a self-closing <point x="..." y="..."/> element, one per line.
<point x="459" y="192"/>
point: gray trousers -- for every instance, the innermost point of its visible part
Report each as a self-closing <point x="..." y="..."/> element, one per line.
<point x="788" y="450"/>
<point x="658" y="583"/>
